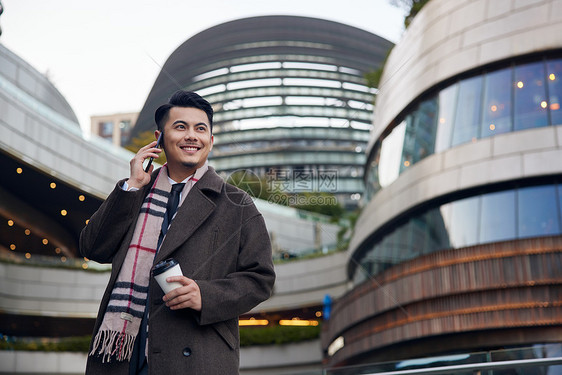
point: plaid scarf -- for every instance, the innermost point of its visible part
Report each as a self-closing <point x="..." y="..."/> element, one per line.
<point x="123" y="315"/>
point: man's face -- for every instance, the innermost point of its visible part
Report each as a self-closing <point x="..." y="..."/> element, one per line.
<point x="187" y="138"/>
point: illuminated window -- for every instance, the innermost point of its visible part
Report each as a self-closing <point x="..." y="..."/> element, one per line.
<point x="510" y="99"/>
<point x="310" y="66"/>
<point x="211" y="90"/>
<point x="254" y="83"/>
<point x="528" y="110"/>
<point x="311" y="82"/>
<point x="256" y="66"/>
<point x="554" y="70"/>
<point x="496" y="114"/>
<point x="213" y="73"/>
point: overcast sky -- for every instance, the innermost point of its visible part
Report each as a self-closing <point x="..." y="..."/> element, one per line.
<point x="104" y="55"/>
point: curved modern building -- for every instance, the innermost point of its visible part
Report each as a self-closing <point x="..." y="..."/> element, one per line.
<point x="45" y="160"/>
<point x="459" y="246"/>
<point x="290" y="98"/>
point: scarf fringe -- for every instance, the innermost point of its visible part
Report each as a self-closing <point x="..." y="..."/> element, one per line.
<point x="113" y="344"/>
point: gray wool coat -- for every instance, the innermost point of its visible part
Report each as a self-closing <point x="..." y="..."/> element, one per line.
<point x="221" y="241"/>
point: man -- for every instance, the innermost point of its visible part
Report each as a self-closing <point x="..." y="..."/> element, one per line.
<point x="217" y="236"/>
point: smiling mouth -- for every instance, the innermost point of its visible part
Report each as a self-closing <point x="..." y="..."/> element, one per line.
<point x="190" y="148"/>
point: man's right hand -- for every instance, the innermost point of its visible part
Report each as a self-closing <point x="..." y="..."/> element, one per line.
<point x="139" y="177"/>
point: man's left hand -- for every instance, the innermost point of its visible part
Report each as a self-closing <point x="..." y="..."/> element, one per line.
<point x="186" y="296"/>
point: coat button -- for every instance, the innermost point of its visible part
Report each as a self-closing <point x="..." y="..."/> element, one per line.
<point x="186" y="352"/>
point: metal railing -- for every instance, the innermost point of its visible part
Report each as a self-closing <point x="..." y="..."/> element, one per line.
<point x="542" y="359"/>
<point x="481" y="368"/>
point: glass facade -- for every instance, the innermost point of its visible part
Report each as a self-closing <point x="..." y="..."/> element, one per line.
<point x="295" y="113"/>
<point x="517" y="97"/>
<point x="520" y="212"/>
<point x="301" y="113"/>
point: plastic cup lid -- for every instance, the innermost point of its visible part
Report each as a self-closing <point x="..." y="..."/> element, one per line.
<point x="164" y="266"/>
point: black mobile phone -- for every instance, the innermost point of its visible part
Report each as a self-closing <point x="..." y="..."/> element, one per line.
<point x="157" y="146"/>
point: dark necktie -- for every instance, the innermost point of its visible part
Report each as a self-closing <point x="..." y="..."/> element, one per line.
<point x="171" y="208"/>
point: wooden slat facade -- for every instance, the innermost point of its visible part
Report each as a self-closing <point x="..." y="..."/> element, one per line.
<point x="466" y="293"/>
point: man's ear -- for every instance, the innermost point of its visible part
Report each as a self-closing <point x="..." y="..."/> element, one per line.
<point x="157" y="135"/>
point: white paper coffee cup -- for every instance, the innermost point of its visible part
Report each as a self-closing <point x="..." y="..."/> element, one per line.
<point x="165" y="269"/>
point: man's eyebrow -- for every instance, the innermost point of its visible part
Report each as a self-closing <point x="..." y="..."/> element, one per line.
<point x="185" y="123"/>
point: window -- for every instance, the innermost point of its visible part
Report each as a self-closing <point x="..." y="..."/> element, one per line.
<point x="373" y="180"/>
<point x="505" y="100"/>
<point x="554" y="79"/>
<point x="425" y="126"/>
<point x="419" y="138"/>
<point x="464" y="222"/>
<point x="497" y="218"/>
<point x="467" y="118"/>
<point x="538" y="213"/>
<point x="497" y="103"/>
<point x="390" y="250"/>
<point x="409" y="142"/>
<point x="437" y="236"/>
<point x="530" y="97"/>
<point x="106" y="128"/>
<point x="391" y="153"/>
<point x="125" y="126"/>
<point x="447" y="100"/>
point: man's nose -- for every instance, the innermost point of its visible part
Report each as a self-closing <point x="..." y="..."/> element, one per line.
<point x="190" y="134"/>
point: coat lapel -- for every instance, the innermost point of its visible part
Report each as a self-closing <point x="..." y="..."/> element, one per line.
<point x="193" y="212"/>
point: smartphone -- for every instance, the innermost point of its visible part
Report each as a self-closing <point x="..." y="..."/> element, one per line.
<point x="157" y="146"/>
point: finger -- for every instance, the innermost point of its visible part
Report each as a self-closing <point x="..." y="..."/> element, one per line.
<point x="150" y="145"/>
<point x="179" y="279"/>
<point x="185" y="289"/>
<point x="184" y="305"/>
<point x="181" y="301"/>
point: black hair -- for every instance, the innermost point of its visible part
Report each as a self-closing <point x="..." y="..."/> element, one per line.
<point x="182" y="98"/>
